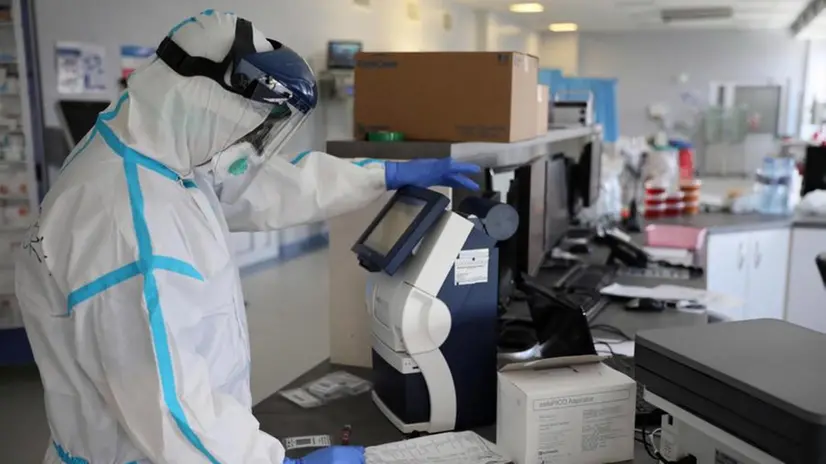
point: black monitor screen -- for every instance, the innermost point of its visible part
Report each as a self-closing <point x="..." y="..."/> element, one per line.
<point x="536" y="218"/>
<point x="556" y="202"/>
<point x="590" y="164"/>
<point x="342" y="55"/>
<point x="79" y="117"/>
<point x="393" y="225"/>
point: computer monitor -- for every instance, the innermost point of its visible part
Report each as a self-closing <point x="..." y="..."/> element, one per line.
<point x="527" y="196"/>
<point x="557" y="217"/>
<point x="390" y="239"/>
<point x="585" y="177"/>
<point x="342" y="54"/>
<point x="78" y="117"/>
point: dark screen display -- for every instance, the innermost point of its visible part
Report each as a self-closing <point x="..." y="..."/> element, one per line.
<point x="536" y="219"/>
<point x="342" y="55"/>
<point x="390" y="228"/>
<point x="556" y="202"/>
<point x="79" y="116"/>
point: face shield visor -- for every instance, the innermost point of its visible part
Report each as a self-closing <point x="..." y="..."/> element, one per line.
<point x="239" y="162"/>
<point x="280" y="91"/>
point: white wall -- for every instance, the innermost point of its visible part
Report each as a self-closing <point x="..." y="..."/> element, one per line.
<point x="495" y="32"/>
<point x="815" y="86"/>
<point x="305" y="25"/>
<point x="647" y="63"/>
<point x="560" y="51"/>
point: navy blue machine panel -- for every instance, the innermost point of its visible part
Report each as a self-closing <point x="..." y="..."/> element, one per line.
<point x="470" y="351"/>
<point x="471" y="347"/>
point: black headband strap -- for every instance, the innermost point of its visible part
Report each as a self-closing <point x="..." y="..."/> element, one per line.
<point x="189" y="66"/>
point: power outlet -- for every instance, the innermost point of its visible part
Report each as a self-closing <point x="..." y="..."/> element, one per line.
<point x="669" y="438"/>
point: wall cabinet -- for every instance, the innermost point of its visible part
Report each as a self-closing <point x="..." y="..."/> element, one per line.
<point x="806" y="301"/>
<point x="751" y="266"/>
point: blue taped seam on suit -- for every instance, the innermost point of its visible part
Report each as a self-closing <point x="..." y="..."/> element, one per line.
<point x="111" y="139"/>
<point x="180" y="25"/>
<point x="67" y="458"/>
<point x="367" y="161"/>
<point x="101" y="284"/>
<point x="106" y="116"/>
<point x="177" y="266"/>
<point x="300" y="157"/>
<point x="157" y="325"/>
<point x="110" y="115"/>
<point x="146" y="265"/>
<point x="124" y="151"/>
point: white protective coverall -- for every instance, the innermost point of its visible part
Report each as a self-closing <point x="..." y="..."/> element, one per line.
<point x="129" y="293"/>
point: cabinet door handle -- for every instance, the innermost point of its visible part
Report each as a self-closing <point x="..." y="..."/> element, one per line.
<point x="758" y="257"/>
<point x="742" y="256"/>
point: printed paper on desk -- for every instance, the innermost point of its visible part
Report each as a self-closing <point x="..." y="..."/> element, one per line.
<point x="671" y="255"/>
<point x="711" y="300"/>
<point x="445" y="448"/>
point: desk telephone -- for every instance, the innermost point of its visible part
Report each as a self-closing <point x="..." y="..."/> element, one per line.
<point x="623" y="250"/>
<point x="628" y="253"/>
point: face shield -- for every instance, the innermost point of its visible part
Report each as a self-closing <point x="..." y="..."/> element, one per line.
<point x="235" y="166"/>
<point x="280" y="92"/>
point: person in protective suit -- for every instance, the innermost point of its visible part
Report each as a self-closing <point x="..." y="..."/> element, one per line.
<point x="129" y="293"/>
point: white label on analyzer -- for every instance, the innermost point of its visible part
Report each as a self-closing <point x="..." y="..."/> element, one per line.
<point x="472" y="267"/>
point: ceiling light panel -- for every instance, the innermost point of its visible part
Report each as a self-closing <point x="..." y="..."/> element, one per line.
<point x="527" y="8"/>
<point x="563" y="27"/>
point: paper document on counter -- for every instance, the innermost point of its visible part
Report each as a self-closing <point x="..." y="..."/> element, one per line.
<point x="711" y="300"/>
<point x="671" y="255"/>
<point x="445" y="448"/>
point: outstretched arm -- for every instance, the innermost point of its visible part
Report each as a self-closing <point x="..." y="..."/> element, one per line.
<point x="314" y="186"/>
<point x="307" y="188"/>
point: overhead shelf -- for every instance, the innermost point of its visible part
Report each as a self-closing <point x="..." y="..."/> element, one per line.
<point x="497" y="156"/>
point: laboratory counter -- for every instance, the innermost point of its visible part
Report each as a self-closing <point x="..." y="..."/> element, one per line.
<point x="283" y="419"/>
<point x="721" y="223"/>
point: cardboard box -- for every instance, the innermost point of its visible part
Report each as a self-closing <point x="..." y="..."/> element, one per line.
<point x="447" y="96"/>
<point x="565" y="411"/>
<point x="543" y="95"/>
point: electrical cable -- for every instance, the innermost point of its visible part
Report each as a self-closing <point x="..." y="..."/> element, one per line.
<point x="612" y="330"/>
<point x="607" y="345"/>
<point x="648" y="442"/>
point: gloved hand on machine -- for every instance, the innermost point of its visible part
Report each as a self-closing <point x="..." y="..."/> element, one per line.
<point x="429" y="173"/>
<point x="332" y="455"/>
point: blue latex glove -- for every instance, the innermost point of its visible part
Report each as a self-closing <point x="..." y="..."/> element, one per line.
<point x="332" y="455"/>
<point x="429" y="173"/>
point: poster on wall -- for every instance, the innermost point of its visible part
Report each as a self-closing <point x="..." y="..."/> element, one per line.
<point x="80" y="68"/>
<point x="133" y="57"/>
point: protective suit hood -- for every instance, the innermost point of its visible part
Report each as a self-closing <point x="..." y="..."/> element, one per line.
<point x="183" y="122"/>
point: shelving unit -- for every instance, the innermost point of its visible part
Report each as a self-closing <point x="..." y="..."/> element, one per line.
<point x="18" y="186"/>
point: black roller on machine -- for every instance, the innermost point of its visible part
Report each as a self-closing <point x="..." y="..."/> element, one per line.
<point x="499" y="219"/>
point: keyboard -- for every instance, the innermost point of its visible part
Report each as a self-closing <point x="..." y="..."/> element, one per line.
<point x="591" y="303"/>
<point x="586" y="277"/>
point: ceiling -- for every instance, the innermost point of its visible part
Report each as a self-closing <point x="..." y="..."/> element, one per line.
<point x="606" y="15"/>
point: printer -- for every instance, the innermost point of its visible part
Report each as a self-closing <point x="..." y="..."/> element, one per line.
<point x="433" y="307"/>
<point x="746" y="392"/>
